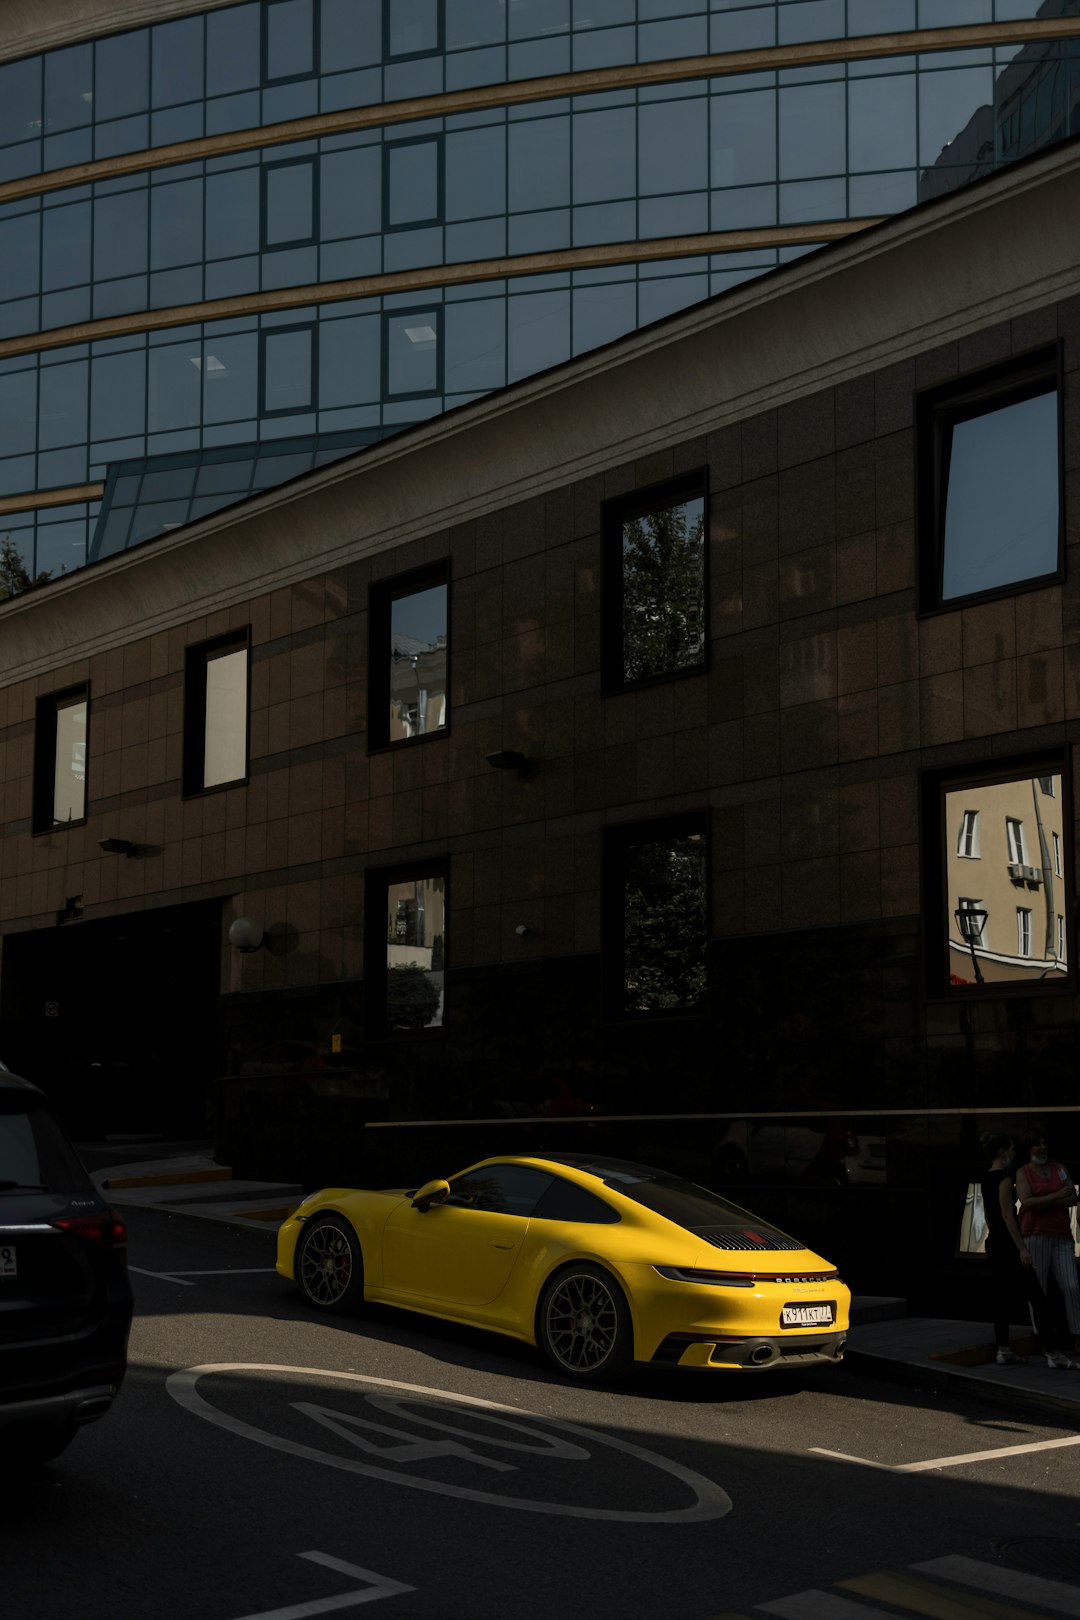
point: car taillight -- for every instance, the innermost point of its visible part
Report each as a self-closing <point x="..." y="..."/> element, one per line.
<point x="107" y="1231"/>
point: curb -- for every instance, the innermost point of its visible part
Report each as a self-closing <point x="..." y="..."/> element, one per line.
<point x="169" y="1178"/>
<point x="937" y="1376"/>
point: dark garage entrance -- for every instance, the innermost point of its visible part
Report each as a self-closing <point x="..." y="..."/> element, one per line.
<point x="117" y="1018"/>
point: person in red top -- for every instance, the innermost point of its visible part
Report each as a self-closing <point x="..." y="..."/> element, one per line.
<point x="1046" y="1192"/>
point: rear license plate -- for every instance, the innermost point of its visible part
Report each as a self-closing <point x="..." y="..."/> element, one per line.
<point x="7" y="1260"/>
<point x="823" y="1315"/>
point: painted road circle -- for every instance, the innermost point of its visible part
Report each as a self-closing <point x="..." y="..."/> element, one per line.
<point x="710" y="1501"/>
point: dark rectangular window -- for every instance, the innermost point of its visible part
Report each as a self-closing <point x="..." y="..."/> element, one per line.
<point x="412" y="28"/>
<point x="288" y="370"/>
<point x="216" y="704"/>
<point x="990" y="483"/>
<point x="290" y="48"/>
<point x="656" y="922"/>
<point x="290" y="203"/>
<point x="409" y="625"/>
<point x="999" y="890"/>
<point x="405" y="948"/>
<point x="60" y="759"/>
<point x="412" y="353"/>
<point x="655" y="584"/>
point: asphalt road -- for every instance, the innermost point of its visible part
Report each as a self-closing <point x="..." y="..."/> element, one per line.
<point x="323" y="1466"/>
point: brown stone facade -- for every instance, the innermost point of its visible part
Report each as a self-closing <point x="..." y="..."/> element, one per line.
<point x="827" y="704"/>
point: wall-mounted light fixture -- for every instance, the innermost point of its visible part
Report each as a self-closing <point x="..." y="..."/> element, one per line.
<point x="509" y="759"/>
<point x="118" y="846"/>
<point x="245" y="935"/>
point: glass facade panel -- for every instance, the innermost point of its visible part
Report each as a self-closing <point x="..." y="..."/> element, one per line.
<point x="69" y="763"/>
<point x="412" y="352"/>
<point x="20" y="100"/>
<point x="122" y="75"/>
<point x="233" y="48"/>
<point x="288" y="359"/>
<point x="290" y="39"/>
<point x="289" y="203"/>
<point x="415" y="953"/>
<point x="225" y="739"/>
<point x="412" y="27"/>
<point x="69" y="88"/>
<point x="413" y="189"/>
<point x="735" y="152"/>
<point x="177" y="61"/>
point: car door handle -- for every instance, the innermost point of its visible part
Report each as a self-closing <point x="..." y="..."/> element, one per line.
<point x="504" y="1245"/>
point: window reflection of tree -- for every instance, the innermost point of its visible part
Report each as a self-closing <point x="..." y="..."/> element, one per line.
<point x="663" y="590"/>
<point x="664" y="923"/>
<point x="479" y="1192"/>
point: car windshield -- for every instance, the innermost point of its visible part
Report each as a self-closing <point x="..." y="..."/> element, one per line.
<point x="680" y="1201"/>
<point x="34" y="1154"/>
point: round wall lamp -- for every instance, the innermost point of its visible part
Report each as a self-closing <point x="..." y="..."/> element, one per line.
<point x="245" y="935"/>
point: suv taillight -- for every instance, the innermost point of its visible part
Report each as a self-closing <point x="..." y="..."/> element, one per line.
<point x="107" y="1231"/>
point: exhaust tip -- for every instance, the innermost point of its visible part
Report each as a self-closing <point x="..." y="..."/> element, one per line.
<point x="841" y="1347"/>
<point x="761" y="1353"/>
<point x="96" y="1406"/>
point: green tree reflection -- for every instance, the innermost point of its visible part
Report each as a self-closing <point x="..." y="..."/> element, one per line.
<point x="664" y="590"/>
<point x="664" y="925"/>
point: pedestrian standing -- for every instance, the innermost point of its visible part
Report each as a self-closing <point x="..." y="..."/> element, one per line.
<point x="1046" y="1193"/>
<point x="1011" y="1267"/>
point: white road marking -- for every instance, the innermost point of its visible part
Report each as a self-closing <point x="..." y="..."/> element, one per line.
<point x="181" y="1276"/>
<point x="376" y="1586"/>
<point x="162" y="1276"/>
<point x="1007" y="1583"/>
<point x="843" y="1456"/>
<point x="951" y="1462"/>
<point x="229" y="1271"/>
<point x="815" y="1605"/>
<point x="710" y="1500"/>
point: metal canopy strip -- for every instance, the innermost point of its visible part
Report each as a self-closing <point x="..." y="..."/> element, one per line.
<point x="590" y="82"/>
<point x="440" y="275"/>
<point x="36" y="500"/>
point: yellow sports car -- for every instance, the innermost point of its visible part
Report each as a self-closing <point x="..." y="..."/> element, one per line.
<point x="601" y="1262"/>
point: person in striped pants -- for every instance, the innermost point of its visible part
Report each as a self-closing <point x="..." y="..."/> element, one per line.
<point x="1046" y="1193"/>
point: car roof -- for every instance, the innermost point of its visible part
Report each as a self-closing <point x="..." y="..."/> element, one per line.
<point x="597" y="1164"/>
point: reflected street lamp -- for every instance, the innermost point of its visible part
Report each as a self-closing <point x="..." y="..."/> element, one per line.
<point x="971" y="921"/>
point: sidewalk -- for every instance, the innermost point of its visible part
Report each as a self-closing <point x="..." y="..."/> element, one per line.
<point x="884" y="1341"/>
<point x="937" y="1354"/>
<point x="192" y="1184"/>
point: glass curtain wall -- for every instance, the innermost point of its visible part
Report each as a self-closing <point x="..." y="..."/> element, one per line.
<point x="774" y="151"/>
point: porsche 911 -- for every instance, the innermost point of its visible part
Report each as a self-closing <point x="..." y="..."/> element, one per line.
<point x="603" y="1263"/>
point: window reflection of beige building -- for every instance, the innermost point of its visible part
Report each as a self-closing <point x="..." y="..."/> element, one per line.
<point x="1006" y="860"/>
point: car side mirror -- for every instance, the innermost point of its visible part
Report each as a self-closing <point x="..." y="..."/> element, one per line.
<point x="430" y="1193"/>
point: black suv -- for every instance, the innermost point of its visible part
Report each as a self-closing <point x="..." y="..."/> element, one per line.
<point x="65" y="1298"/>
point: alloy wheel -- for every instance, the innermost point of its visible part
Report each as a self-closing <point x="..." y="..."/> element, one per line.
<point x="581" y="1322"/>
<point x="326" y="1264"/>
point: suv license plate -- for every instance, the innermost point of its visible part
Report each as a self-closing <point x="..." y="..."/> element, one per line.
<point x="823" y="1315"/>
<point x="7" y="1260"/>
